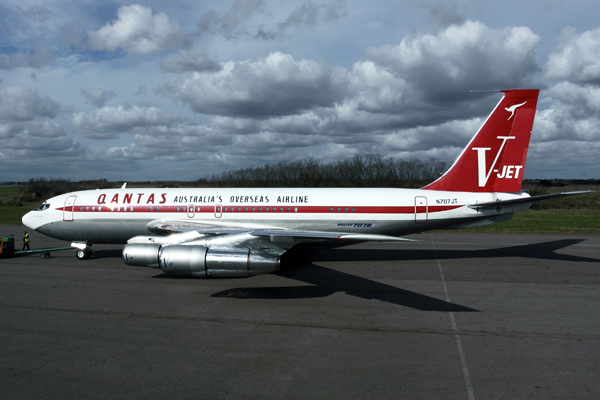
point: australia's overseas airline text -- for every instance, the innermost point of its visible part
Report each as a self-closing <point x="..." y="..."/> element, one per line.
<point x="155" y="198"/>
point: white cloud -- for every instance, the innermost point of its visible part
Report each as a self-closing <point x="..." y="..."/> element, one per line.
<point x="98" y="96"/>
<point x="19" y="104"/>
<point x="307" y="14"/>
<point x="109" y="122"/>
<point x="377" y="89"/>
<point x="445" y="12"/>
<point x="249" y="19"/>
<point x="232" y="23"/>
<point x="573" y="114"/>
<point x="577" y="59"/>
<point x="444" y="67"/>
<point x="138" y="31"/>
<point x="193" y="60"/>
<point x="270" y="86"/>
<point x="37" y="147"/>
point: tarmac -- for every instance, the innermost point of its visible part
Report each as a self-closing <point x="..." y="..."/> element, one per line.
<point x="450" y="316"/>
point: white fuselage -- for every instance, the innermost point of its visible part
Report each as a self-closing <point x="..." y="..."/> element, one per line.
<point x="116" y="215"/>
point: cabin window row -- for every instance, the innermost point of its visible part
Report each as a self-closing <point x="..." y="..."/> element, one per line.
<point x="260" y="209"/>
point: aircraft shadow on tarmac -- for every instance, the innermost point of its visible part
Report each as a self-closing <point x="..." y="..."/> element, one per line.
<point x="542" y="251"/>
<point x="300" y="266"/>
<point x="327" y="281"/>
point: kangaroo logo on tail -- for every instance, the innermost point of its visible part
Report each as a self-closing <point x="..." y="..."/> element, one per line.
<point x="512" y="109"/>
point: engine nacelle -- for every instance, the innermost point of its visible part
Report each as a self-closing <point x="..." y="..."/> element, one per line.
<point x="183" y="260"/>
<point x="203" y="262"/>
<point x="142" y="255"/>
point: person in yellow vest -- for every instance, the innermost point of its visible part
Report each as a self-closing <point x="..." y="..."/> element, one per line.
<point x="26" y="241"/>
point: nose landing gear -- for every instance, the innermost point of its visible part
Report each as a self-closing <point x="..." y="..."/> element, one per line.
<point x="84" y="250"/>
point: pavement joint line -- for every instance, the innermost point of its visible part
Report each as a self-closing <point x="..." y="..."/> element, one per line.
<point x="463" y="360"/>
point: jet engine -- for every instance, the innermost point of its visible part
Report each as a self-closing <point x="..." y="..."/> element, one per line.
<point x="142" y="255"/>
<point x="200" y="261"/>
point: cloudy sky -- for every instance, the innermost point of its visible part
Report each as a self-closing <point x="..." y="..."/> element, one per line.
<point x="180" y="90"/>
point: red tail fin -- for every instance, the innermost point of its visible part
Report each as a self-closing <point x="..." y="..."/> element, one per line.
<point x="494" y="160"/>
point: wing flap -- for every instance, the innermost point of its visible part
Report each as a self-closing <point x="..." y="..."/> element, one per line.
<point x="326" y="235"/>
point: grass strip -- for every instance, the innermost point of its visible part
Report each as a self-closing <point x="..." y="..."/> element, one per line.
<point x="547" y="221"/>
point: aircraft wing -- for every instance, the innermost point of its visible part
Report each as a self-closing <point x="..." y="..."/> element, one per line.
<point x="502" y="203"/>
<point x="201" y="250"/>
<point x="215" y="229"/>
<point x="205" y="229"/>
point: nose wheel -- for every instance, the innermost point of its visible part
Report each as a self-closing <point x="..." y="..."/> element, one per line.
<point x="83" y="254"/>
<point x="84" y="250"/>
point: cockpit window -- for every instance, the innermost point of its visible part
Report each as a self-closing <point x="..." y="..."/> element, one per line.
<point x="43" y="206"/>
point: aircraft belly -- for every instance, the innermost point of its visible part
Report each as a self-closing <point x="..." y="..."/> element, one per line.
<point x="109" y="232"/>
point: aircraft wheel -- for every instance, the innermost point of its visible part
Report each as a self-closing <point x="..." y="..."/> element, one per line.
<point x="45" y="254"/>
<point x="83" y="254"/>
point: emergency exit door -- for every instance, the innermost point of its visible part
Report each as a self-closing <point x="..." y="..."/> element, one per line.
<point x="421" y="210"/>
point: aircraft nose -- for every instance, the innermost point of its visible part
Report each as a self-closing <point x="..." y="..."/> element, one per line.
<point x="30" y="220"/>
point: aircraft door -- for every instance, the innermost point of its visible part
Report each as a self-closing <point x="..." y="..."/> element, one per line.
<point x="191" y="211"/>
<point x="69" y="209"/>
<point x="421" y="210"/>
<point x="218" y="211"/>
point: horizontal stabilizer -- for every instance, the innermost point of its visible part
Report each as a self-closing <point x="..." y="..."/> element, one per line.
<point x="502" y="203"/>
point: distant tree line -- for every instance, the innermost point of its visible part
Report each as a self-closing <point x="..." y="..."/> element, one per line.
<point x="41" y="189"/>
<point x="361" y="171"/>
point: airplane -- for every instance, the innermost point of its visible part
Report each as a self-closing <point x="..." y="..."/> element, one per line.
<point x="241" y="232"/>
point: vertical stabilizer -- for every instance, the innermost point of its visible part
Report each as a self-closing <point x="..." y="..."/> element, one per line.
<point x="494" y="160"/>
